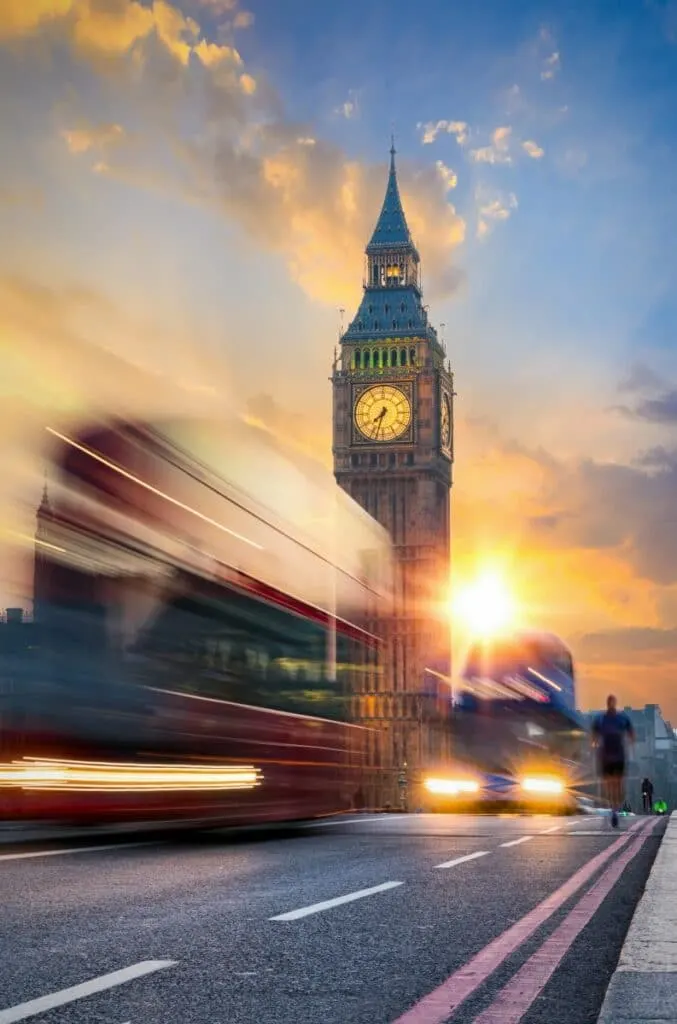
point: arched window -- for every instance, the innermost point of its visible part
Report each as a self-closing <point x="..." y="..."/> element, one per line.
<point x="403" y="357"/>
<point x="412" y="356"/>
<point x="387" y="309"/>
<point x="358" y="359"/>
<point x="411" y="323"/>
<point x="394" y="325"/>
<point x="371" y="309"/>
<point x="402" y="307"/>
<point x="376" y="325"/>
<point x="393" y="357"/>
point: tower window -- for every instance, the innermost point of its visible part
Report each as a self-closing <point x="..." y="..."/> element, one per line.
<point x="403" y="357"/>
<point x="412" y="355"/>
<point x="394" y="325"/>
<point x="371" y="310"/>
<point x="354" y="460"/>
<point x="375" y="325"/>
<point x="358" y="359"/>
<point x="387" y="308"/>
<point x="411" y="323"/>
<point x="393" y="357"/>
<point x="402" y="308"/>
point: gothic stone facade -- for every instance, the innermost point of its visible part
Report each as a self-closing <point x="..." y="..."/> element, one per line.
<point x="393" y="453"/>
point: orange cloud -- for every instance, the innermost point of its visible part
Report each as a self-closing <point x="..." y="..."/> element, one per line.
<point x="532" y="149"/>
<point x="309" y="202"/>
<point x="83" y="139"/>
<point x="583" y="546"/>
<point x="21" y="18"/>
<point x="499" y="150"/>
<point x="105" y="30"/>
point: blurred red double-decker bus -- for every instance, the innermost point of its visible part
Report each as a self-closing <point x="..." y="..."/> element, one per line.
<point x="206" y="603"/>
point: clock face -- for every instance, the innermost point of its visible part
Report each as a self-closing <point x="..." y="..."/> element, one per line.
<point x="445" y="421"/>
<point x="382" y="413"/>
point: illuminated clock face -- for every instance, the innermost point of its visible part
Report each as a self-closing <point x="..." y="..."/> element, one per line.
<point x="445" y="421"/>
<point x="382" y="413"/>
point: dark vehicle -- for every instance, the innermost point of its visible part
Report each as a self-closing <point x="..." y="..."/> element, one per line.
<point x="518" y="741"/>
<point x="198" y="633"/>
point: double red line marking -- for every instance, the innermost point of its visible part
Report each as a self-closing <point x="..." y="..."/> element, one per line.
<point x="513" y="1001"/>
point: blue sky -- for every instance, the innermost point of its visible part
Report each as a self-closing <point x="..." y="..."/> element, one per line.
<point x="189" y="186"/>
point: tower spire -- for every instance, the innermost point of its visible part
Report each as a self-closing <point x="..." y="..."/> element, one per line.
<point x="44" y="503"/>
<point x="391" y="229"/>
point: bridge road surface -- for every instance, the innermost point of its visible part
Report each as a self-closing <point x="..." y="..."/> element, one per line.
<point x="376" y="920"/>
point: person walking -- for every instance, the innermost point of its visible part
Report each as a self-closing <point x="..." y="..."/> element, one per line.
<point x="609" y="732"/>
<point x="647" y="795"/>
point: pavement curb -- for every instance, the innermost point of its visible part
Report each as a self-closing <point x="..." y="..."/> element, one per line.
<point x="643" y="988"/>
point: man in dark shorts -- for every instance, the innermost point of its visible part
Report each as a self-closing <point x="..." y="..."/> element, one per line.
<point x="609" y="732"/>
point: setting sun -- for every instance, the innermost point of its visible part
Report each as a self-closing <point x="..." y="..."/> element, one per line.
<point x="485" y="606"/>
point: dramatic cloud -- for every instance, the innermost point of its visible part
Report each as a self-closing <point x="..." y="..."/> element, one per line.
<point x="491" y="208"/>
<point x="237" y="151"/>
<point x="625" y="508"/>
<point x="498" y="151"/>
<point x="532" y="149"/>
<point x="662" y="409"/>
<point x="603" y="531"/>
<point x="100" y="31"/>
<point x="430" y="131"/>
<point x="448" y="176"/>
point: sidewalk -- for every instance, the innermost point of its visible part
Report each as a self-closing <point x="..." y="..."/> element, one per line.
<point x="643" y="989"/>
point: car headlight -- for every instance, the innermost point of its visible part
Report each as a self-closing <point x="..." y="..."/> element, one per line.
<point x="451" y="787"/>
<point x="534" y="784"/>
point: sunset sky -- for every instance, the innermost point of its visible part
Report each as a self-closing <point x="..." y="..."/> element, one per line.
<point x="186" y="190"/>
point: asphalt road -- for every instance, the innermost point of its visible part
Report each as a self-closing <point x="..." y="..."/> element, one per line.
<point x="450" y="918"/>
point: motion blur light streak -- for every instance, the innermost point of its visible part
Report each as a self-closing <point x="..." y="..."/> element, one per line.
<point x="544" y="679"/>
<point x="149" y="487"/>
<point x="102" y="776"/>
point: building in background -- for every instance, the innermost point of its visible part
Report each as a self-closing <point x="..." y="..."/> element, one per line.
<point x="393" y="397"/>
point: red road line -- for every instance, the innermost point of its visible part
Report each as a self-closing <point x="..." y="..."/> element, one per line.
<point x="439" y="1004"/>
<point x="516" y="998"/>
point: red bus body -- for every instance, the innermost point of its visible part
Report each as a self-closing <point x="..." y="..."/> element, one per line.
<point x="186" y="629"/>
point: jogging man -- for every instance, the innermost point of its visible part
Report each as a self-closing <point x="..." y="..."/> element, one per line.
<point x="608" y="736"/>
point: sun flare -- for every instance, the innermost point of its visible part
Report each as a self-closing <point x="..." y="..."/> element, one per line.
<point x="485" y="606"/>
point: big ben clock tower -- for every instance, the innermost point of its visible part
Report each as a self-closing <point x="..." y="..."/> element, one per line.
<point x="393" y="453"/>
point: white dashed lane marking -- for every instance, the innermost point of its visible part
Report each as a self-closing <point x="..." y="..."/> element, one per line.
<point x="462" y="860"/>
<point x="316" y="908"/>
<point x="22" y="1011"/>
<point x="69" y="851"/>
<point x="517" y="842"/>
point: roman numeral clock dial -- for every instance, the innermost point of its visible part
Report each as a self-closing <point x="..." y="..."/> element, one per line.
<point x="382" y="413"/>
